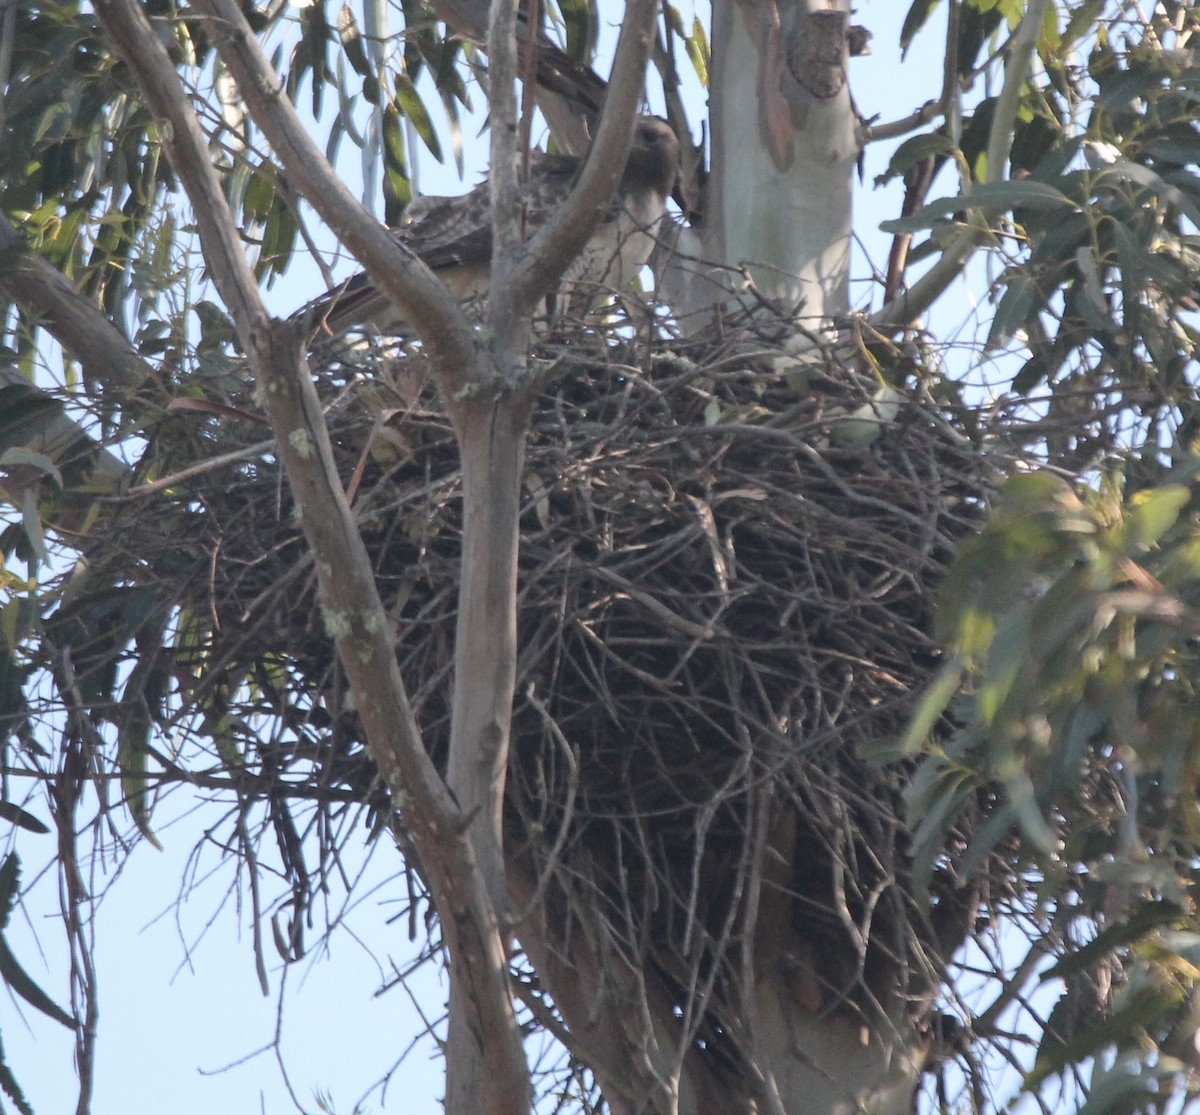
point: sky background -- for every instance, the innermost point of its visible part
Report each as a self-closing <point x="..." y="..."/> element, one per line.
<point x="184" y="1026"/>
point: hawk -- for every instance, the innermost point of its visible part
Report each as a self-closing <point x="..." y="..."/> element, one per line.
<point x="453" y="235"/>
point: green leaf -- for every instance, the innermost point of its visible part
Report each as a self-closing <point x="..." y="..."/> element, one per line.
<point x="410" y="104"/>
<point x="1026" y="193"/>
<point x="1093" y="305"/>
<point x="133" y="740"/>
<point x="580" y="22"/>
<point x="25" y="412"/>
<point x="15" y="815"/>
<point x="1059" y="243"/>
<point x="698" y="51"/>
<point x="32" y="522"/>
<point x="1146" y="918"/>
<point x="1143" y="176"/>
<point x="1035" y="491"/>
<point x="1007" y="654"/>
<point x="311" y="52"/>
<point x="259" y="195"/>
<point x="932" y="802"/>
<point x="1122" y="1089"/>
<point x="933" y="704"/>
<point x="1036" y="368"/>
<point x="448" y="79"/>
<point x="1022" y="298"/>
<point x="916" y="18"/>
<point x="1152" y="513"/>
<point x="1180" y="564"/>
<point x="1082" y="21"/>
<point x="674" y="20"/>
<point x="10" y="881"/>
<point x="11" y="1088"/>
<point x="989" y="197"/>
<point x="18" y="456"/>
<point x="278" y="240"/>
<point x="985" y="838"/>
<point x="10" y="618"/>
<point x="19" y="982"/>
<point x="352" y="42"/>
<point x="913" y="150"/>
<point x="1023" y="798"/>
<point x="1122" y="1027"/>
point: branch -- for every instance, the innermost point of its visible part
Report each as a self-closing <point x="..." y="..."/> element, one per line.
<point x="350" y="601"/>
<point x="926" y="290"/>
<point x="503" y="176"/>
<point x="394" y="269"/>
<point x="71" y="514"/>
<point x="930" y="110"/>
<point x="106" y="357"/>
<point x="42" y="291"/>
<point x="490" y="425"/>
<point x="1016" y="70"/>
<point x="519" y="284"/>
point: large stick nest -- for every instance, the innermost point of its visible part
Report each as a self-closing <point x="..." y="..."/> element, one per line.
<point x="725" y="610"/>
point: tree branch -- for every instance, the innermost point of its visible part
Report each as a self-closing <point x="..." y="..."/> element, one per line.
<point x="1021" y="50"/>
<point x="106" y="357"/>
<point x="926" y="290"/>
<point x="354" y="613"/>
<point x="562" y="237"/>
<point x="404" y="278"/>
<point x="930" y="110"/>
<point x="42" y="291"/>
<point x="490" y="426"/>
<point x="503" y="176"/>
<point x="70" y="514"/>
<point x="893" y="129"/>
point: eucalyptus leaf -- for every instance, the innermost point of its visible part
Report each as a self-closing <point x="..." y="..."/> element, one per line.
<point x="18" y="982"/>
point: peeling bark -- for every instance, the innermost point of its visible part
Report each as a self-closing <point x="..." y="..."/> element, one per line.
<point x="778" y="201"/>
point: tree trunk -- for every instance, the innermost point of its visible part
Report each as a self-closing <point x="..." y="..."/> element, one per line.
<point x="491" y="433"/>
<point x="778" y="212"/>
<point x="784" y="148"/>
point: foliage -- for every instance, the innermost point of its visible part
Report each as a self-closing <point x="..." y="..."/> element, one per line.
<point x="15" y="977"/>
<point x="1073" y="619"/>
<point x="1052" y="765"/>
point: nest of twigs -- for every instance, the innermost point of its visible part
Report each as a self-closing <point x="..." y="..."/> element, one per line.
<point x="726" y="606"/>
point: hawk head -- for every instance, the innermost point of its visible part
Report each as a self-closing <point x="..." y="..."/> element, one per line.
<point x="453" y="235"/>
<point x="653" y="158"/>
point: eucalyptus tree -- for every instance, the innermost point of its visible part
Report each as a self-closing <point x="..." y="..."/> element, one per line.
<point x="619" y="618"/>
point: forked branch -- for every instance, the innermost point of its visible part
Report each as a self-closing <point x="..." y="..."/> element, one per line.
<point x="353" y="611"/>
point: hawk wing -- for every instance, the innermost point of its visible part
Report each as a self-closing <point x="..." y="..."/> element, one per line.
<point x="453" y="235"/>
<point x="450" y="231"/>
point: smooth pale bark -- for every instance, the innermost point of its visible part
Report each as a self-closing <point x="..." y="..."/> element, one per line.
<point x="491" y="436"/>
<point x="350" y="601"/>
<point x="785" y="143"/>
<point x="490" y="421"/>
<point x="798" y="1055"/>
<point x="829" y="1064"/>
<point x="784" y="147"/>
